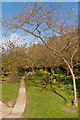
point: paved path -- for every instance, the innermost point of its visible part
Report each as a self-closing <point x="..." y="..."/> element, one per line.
<point x="0" y="109"/>
<point x="4" y="110"/>
<point x="19" y="107"/>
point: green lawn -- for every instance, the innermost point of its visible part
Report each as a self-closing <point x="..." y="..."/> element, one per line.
<point x="79" y="109"/>
<point x="46" y="104"/>
<point x="9" y="91"/>
<point x="0" y="90"/>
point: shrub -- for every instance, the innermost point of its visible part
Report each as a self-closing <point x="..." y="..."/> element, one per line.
<point x="13" y="78"/>
<point x="3" y="76"/>
<point x="58" y="71"/>
<point x="76" y="71"/>
<point x="69" y="93"/>
<point x="30" y="74"/>
<point x="46" y="77"/>
<point x="39" y="72"/>
<point x="62" y="79"/>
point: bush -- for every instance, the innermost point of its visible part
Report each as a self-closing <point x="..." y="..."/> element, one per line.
<point x="30" y="74"/>
<point x="60" y="85"/>
<point x="76" y="71"/>
<point x="39" y="72"/>
<point x="63" y="79"/>
<point x="46" y="77"/>
<point x="69" y="94"/>
<point x="58" y="71"/>
<point x="13" y="78"/>
<point x="3" y="76"/>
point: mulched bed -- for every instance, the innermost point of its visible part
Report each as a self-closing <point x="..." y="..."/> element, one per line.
<point x="69" y="110"/>
<point x="2" y="80"/>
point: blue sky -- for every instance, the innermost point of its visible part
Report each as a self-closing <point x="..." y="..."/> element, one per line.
<point x="40" y="0"/>
<point x="11" y="8"/>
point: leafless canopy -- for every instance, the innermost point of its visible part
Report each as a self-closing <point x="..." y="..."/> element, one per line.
<point x="42" y="20"/>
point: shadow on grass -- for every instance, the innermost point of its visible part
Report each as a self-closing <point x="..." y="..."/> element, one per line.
<point x="58" y="93"/>
<point x="36" y="84"/>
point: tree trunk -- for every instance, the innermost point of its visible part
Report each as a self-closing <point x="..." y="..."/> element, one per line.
<point x="67" y="72"/>
<point x="33" y="70"/>
<point x="51" y="77"/>
<point x="33" y="74"/>
<point x="52" y="73"/>
<point x="45" y="68"/>
<point x="25" y="71"/>
<point x="74" y="83"/>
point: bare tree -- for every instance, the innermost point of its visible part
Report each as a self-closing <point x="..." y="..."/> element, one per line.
<point x="41" y="21"/>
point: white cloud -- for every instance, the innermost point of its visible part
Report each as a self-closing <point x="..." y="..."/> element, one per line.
<point x="15" y="38"/>
<point x="20" y="40"/>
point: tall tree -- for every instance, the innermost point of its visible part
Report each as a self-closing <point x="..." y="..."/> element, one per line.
<point x="13" y="58"/>
<point x="40" y="21"/>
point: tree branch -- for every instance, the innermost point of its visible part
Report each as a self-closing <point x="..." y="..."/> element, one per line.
<point x="72" y="58"/>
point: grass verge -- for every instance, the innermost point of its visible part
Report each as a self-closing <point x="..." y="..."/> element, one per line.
<point x="0" y="90"/>
<point x="9" y="92"/>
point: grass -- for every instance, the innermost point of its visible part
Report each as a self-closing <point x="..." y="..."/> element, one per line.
<point x="79" y="109"/>
<point x="9" y="91"/>
<point x="46" y="104"/>
<point x="0" y="90"/>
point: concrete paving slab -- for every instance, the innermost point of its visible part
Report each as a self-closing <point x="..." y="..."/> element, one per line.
<point x="14" y="115"/>
<point x="20" y="103"/>
<point x="4" y="110"/>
